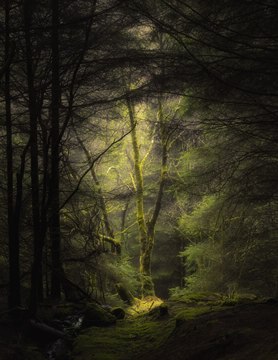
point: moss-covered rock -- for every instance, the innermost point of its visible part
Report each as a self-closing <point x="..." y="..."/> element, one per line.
<point x="118" y="312"/>
<point x="190" y="313"/>
<point x="95" y="315"/>
<point x="195" y="298"/>
<point x="163" y="309"/>
<point x="159" y="311"/>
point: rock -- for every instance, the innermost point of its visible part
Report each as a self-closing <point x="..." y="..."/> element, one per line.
<point x="118" y="312"/>
<point x="125" y="294"/>
<point x="271" y="301"/>
<point x="163" y="309"/>
<point x="159" y="311"/>
<point x="95" y="315"/>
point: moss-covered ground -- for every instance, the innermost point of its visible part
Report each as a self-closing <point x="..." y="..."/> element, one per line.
<point x="144" y="330"/>
<point x="126" y="340"/>
<point x="198" y="327"/>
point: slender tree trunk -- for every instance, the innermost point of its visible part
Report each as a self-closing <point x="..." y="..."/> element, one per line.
<point x="101" y="199"/>
<point x="14" y="267"/>
<point x="163" y="175"/>
<point x="44" y="204"/>
<point x="36" y="280"/>
<point x="123" y="220"/>
<point x="55" y="234"/>
<point x="18" y="196"/>
<point x="147" y="228"/>
<point x="147" y="286"/>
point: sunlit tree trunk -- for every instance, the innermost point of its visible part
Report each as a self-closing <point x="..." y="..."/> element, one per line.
<point x="147" y="227"/>
<point x="147" y="286"/>
<point x="163" y="175"/>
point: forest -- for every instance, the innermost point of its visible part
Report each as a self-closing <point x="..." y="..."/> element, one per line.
<point x="139" y="179"/>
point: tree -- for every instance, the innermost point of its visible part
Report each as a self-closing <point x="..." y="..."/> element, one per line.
<point x="55" y="157"/>
<point x="14" y="270"/>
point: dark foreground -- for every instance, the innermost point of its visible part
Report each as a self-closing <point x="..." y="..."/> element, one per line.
<point x="245" y="332"/>
<point x="190" y="331"/>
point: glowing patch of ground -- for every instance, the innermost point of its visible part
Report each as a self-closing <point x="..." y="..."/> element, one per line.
<point x="144" y="305"/>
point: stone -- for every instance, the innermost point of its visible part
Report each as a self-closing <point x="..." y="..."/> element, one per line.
<point x="118" y="312"/>
<point x="95" y="315"/>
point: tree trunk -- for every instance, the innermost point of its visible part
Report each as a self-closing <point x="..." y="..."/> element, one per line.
<point x="147" y="287"/>
<point x="55" y="234"/>
<point x="147" y="228"/>
<point x="101" y="199"/>
<point x="14" y="267"/>
<point x="36" y="280"/>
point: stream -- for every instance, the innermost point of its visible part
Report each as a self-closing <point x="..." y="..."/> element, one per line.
<point x="61" y="348"/>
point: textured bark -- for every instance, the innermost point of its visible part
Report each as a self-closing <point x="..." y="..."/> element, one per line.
<point x="147" y="287"/>
<point x="147" y="228"/>
<point x="125" y="294"/>
<point x="116" y="246"/>
<point x="55" y="234"/>
<point x="36" y="281"/>
<point x="14" y="267"/>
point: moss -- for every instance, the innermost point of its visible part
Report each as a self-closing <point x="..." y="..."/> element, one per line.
<point x="190" y="297"/>
<point x="229" y="302"/>
<point x="95" y="315"/>
<point x="135" y="336"/>
<point x="159" y="311"/>
<point x="145" y="305"/>
<point x="129" y="339"/>
<point x="238" y="299"/>
<point x="191" y="313"/>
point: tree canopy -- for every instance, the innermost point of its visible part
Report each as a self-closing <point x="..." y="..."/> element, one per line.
<point x="139" y="148"/>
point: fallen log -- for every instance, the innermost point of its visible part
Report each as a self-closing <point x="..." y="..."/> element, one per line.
<point x="45" y="331"/>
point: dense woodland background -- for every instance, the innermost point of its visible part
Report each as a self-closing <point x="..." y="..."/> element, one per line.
<point x="138" y="148"/>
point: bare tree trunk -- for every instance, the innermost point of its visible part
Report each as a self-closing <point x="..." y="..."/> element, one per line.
<point x="147" y="228"/>
<point x="107" y="225"/>
<point x="36" y="280"/>
<point x="14" y="267"/>
<point x="55" y="234"/>
<point x="147" y="287"/>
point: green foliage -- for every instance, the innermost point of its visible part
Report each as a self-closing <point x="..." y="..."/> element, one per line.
<point x="119" y="271"/>
<point x="232" y="248"/>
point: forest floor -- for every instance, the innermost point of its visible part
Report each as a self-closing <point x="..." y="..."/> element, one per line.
<point x="196" y="328"/>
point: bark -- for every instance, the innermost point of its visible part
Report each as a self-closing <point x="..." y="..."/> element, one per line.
<point x="147" y="228"/>
<point x="72" y="291"/>
<point x="147" y="287"/>
<point x="123" y="221"/>
<point x="36" y="280"/>
<point x="14" y="267"/>
<point x="55" y="234"/>
<point x="44" y="204"/>
<point x="46" y="331"/>
<point x="116" y="246"/>
<point x="125" y="294"/>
